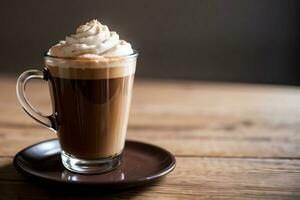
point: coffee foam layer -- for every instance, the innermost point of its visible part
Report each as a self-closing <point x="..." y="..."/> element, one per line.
<point x="90" y="69"/>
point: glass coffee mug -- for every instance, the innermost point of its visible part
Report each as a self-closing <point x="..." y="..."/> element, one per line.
<point x="90" y="102"/>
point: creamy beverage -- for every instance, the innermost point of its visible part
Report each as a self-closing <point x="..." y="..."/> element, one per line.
<point x="90" y="76"/>
<point x="91" y="88"/>
<point x="92" y="110"/>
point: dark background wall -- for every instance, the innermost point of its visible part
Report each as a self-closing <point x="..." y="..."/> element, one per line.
<point x="246" y="41"/>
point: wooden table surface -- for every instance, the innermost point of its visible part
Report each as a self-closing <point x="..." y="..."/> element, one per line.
<point x="230" y="140"/>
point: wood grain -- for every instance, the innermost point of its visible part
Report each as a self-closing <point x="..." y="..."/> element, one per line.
<point x="184" y="104"/>
<point x="213" y="119"/>
<point x="231" y="141"/>
<point x="193" y="177"/>
<point x="242" y="142"/>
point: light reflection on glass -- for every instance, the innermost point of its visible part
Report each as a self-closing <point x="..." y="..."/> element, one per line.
<point x="110" y="176"/>
<point x="67" y="176"/>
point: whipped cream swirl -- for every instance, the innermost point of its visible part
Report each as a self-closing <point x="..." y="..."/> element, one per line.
<point x="92" y="40"/>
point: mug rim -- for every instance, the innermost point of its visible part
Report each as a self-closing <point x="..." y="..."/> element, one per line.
<point x="131" y="56"/>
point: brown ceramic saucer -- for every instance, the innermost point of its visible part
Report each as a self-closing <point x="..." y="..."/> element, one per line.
<point x="142" y="163"/>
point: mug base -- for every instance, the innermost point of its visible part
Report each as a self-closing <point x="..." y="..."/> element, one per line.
<point x="95" y="166"/>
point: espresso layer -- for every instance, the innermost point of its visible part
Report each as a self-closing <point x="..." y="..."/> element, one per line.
<point x="92" y="115"/>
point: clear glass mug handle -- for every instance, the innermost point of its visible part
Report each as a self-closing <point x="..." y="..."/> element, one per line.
<point x="48" y="121"/>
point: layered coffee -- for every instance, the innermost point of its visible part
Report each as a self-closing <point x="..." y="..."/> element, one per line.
<point x="91" y="76"/>
<point x="92" y="112"/>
